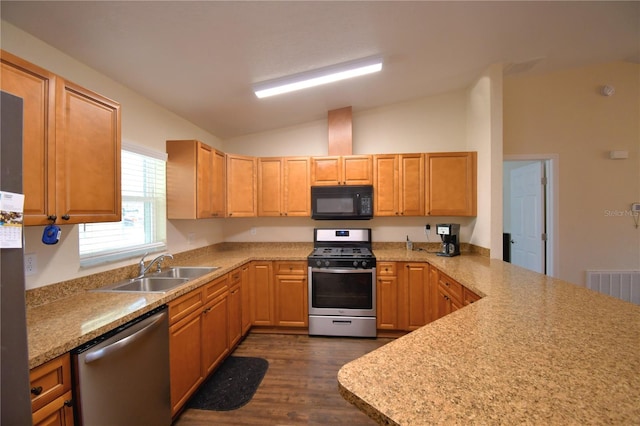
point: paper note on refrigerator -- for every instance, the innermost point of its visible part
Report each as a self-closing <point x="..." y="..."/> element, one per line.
<point x="11" y="218"/>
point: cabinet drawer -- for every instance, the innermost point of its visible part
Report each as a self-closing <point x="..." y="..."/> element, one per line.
<point x="293" y="268"/>
<point x="184" y="305"/>
<point x="469" y="297"/>
<point x="216" y="288"/>
<point x="50" y="381"/>
<point x="234" y="276"/>
<point x="386" y="268"/>
<point x="451" y="286"/>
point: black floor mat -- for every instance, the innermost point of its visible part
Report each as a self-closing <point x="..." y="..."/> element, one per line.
<point x="231" y="386"/>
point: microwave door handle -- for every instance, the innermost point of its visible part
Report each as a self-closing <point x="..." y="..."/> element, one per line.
<point x="358" y="204"/>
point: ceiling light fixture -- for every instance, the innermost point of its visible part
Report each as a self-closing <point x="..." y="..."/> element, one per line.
<point x="317" y="77"/>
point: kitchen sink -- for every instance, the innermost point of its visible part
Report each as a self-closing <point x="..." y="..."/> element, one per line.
<point x="158" y="282"/>
<point x="189" y="272"/>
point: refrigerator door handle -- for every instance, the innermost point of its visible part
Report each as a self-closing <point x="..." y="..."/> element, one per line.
<point x="103" y="352"/>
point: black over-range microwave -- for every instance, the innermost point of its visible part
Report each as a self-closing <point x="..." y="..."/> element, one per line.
<point x="342" y="202"/>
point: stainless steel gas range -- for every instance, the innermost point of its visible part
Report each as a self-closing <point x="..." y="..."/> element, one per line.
<point x="342" y="283"/>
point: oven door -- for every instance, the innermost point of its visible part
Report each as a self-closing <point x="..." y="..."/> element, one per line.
<point x="342" y="291"/>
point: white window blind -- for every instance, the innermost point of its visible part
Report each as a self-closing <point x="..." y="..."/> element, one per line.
<point x="143" y="225"/>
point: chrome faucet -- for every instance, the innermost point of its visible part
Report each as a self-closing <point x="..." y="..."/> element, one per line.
<point x="157" y="261"/>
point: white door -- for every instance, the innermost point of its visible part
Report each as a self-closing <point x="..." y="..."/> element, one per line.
<point x="527" y="217"/>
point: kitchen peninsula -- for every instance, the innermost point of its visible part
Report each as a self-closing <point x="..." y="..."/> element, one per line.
<point x="533" y="350"/>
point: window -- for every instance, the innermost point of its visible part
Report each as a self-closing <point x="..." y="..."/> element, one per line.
<point x="143" y="226"/>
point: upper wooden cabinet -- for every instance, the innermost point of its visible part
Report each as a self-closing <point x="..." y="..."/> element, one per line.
<point x="451" y="184"/>
<point x="242" y="200"/>
<point x="284" y="186"/>
<point x="88" y="156"/>
<point x="195" y="180"/>
<point x="342" y="170"/>
<point x="71" y="141"/>
<point x="398" y="181"/>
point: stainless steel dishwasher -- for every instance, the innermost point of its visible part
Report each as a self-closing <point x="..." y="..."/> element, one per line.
<point x="122" y="377"/>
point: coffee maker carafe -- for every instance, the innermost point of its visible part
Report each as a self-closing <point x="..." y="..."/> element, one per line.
<point x="450" y="235"/>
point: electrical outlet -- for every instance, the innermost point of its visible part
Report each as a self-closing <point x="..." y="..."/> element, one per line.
<point x="635" y="207"/>
<point x="191" y="237"/>
<point x="253" y="231"/>
<point x="30" y="264"/>
<point x="427" y="228"/>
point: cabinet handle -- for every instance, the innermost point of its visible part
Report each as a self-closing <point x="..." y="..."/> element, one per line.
<point x="36" y="390"/>
<point x="206" y="311"/>
<point x="68" y="403"/>
<point x="66" y="217"/>
<point x="52" y="217"/>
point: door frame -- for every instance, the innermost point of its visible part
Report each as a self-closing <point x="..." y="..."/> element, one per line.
<point x="552" y="201"/>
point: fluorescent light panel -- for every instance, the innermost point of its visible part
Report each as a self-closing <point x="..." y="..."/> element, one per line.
<point x="317" y="77"/>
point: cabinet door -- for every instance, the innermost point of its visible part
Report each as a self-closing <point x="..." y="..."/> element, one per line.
<point x="270" y="186"/>
<point x="387" y="297"/>
<point x="291" y="301"/>
<point x="87" y="156"/>
<point x="36" y="87"/>
<point x="235" y="316"/>
<point x="385" y="184"/>
<point x="58" y="413"/>
<point x="326" y="171"/>
<point x="357" y="170"/>
<point x="219" y="184"/>
<point x="261" y="285"/>
<point x="215" y="337"/>
<point x="185" y="352"/>
<point x="246" y="299"/>
<point x="241" y="186"/>
<point x="433" y="292"/>
<point x="451" y="184"/>
<point x="204" y="181"/>
<point x="417" y="303"/>
<point x="411" y="181"/>
<point x="297" y="186"/>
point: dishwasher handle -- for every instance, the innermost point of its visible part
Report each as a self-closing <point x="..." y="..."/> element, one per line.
<point x="103" y="352"/>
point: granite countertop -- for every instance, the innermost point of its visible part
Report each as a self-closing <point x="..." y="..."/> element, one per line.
<point x="59" y="326"/>
<point x="534" y="350"/>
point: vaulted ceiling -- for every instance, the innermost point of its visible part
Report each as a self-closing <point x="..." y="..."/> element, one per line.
<point x="200" y="58"/>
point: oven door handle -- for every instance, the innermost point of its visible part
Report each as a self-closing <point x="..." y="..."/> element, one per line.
<point x="342" y="270"/>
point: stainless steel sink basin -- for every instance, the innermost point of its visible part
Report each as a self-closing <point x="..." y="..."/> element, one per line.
<point x="146" y="285"/>
<point x="159" y="282"/>
<point x="189" y="272"/>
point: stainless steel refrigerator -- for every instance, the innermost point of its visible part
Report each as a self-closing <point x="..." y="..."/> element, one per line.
<point x="15" y="405"/>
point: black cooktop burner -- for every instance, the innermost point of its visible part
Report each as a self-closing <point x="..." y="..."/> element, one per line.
<point x="341" y="252"/>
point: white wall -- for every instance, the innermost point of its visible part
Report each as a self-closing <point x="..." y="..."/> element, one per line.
<point x="433" y="124"/>
<point x="563" y="113"/>
<point x="143" y="123"/>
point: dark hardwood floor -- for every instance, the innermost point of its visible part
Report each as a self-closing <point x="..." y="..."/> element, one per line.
<point x="300" y="386"/>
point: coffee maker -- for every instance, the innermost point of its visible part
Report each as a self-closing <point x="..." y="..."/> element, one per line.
<point x="450" y="235"/>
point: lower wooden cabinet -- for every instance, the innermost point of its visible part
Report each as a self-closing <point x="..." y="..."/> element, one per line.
<point x="51" y="398"/>
<point x="416" y="297"/>
<point x="198" y="338"/>
<point x="291" y="294"/>
<point x="448" y="295"/>
<point x="215" y="327"/>
<point x="245" y="276"/>
<point x="387" y="296"/>
<point x="261" y="291"/>
<point x="235" y="308"/>
<point x="278" y="294"/>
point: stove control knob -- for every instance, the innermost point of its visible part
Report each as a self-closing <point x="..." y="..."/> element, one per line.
<point x="318" y="263"/>
<point x="364" y="263"/>
<point x="326" y="263"/>
<point x="355" y="263"/>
